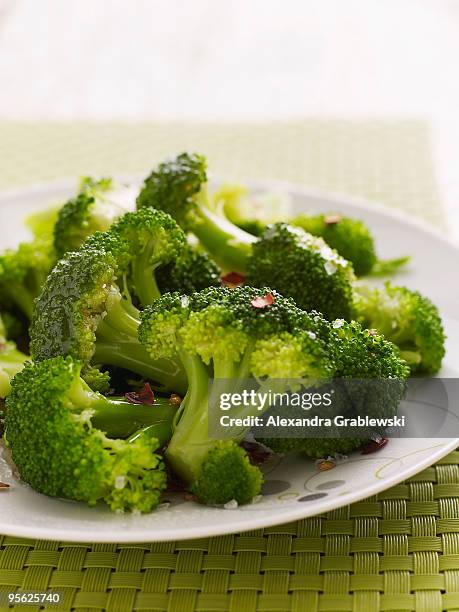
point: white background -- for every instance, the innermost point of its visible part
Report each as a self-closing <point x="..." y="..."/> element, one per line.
<point x="239" y="59"/>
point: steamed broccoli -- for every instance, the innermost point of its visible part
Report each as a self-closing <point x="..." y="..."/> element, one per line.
<point x="252" y="212"/>
<point x="287" y="259"/>
<point x="68" y="441"/>
<point x="192" y="271"/>
<point x="230" y="335"/>
<point x="369" y="373"/>
<point x="86" y="308"/>
<point x="352" y="239"/>
<point x="303" y="267"/>
<point x="406" y="318"/>
<point x="23" y="272"/>
<point x="97" y="206"/>
<point x="11" y="361"/>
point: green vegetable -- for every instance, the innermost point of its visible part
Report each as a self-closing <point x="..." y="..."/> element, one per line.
<point x="68" y="441"/>
<point x="11" y="361"/>
<point x="178" y="187"/>
<point x="371" y="376"/>
<point x="86" y="308"/>
<point x="251" y="212"/>
<point x="350" y="237"/>
<point x="406" y="318"/>
<point x="96" y="207"/>
<point x="228" y="334"/>
<point x="42" y="223"/>
<point x="23" y="272"/>
<point x="303" y="267"/>
<point x="192" y="271"/>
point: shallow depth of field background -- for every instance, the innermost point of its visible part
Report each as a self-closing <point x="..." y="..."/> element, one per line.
<point x="237" y="60"/>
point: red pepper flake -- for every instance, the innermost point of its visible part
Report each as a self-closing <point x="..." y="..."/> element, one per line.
<point x="232" y="279"/>
<point x="175" y="400"/>
<point x="373" y="446"/>
<point x="323" y="465"/>
<point x="189" y="497"/>
<point x="144" y="396"/>
<point x="4" y="485"/>
<point x="332" y="219"/>
<point x="263" y="301"/>
<point x="258" y="454"/>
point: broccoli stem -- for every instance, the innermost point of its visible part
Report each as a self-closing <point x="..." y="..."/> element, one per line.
<point x="5" y="386"/>
<point x="122" y="318"/>
<point x="386" y="267"/>
<point x="160" y="431"/>
<point x="190" y="442"/>
<point x="118" y="417"/>
<point x="143" y="274"/>
<point x="11" y="362"/>
<point x="229" y="245"/>
<point x="117" y="345"/>
<point x="412" y="357"/>
<point x="134" y="357"/>
<point x="22" y="298"/>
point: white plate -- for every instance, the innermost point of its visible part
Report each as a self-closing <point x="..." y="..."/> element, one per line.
<point x="294" y="488"/>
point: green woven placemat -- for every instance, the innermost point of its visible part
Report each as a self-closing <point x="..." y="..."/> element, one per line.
<point x="395" y="551"/>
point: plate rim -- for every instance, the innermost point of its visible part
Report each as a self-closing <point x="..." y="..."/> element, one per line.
<point x="263" y="521"/>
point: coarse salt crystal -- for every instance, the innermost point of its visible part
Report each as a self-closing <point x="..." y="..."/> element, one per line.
<point x="312" y="335"/>
<point x="185" y="301"/>
<point x="231" y="505"/>
<point x="337" y="323"/>
<point x="330" y="267"/>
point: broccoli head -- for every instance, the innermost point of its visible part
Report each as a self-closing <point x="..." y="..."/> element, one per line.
<point x="179" y="187"/>
<point x="68" y="441"/>
<point x="23" y="272"/>
<point x="369" y="379"/>
<point x="86" y="308"/>
<point x="227" y="335"/>
<point x="406" y="318"/>
<point x="96" y="207"/>
<point x="303" y="267"/>
<point x="192" y="271"/>
<point x="175" y="186"/>
<point x="352" y="239"/>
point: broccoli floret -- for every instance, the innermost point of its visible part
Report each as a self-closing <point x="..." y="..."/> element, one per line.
<point x="227" y="335"/>
<point x="96" y="207"/>
<point x="86" y="308"/>
<point x="23" y="272"/>
<point x="192" y="271"/>
<point x="406" y="318"/>
<point x="281" y="258"/>
<point x="68" y="441"/>
<point x="352" y="239"/>
<point x="369" y="374"/>
<point x="252" y="212"/>
<point x="303" y="267"/>
<point x="11" y="361"/>
<point x="178" y="186"/>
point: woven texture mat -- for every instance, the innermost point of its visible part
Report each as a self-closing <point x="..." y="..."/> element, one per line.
<point x="396" y="551"/>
